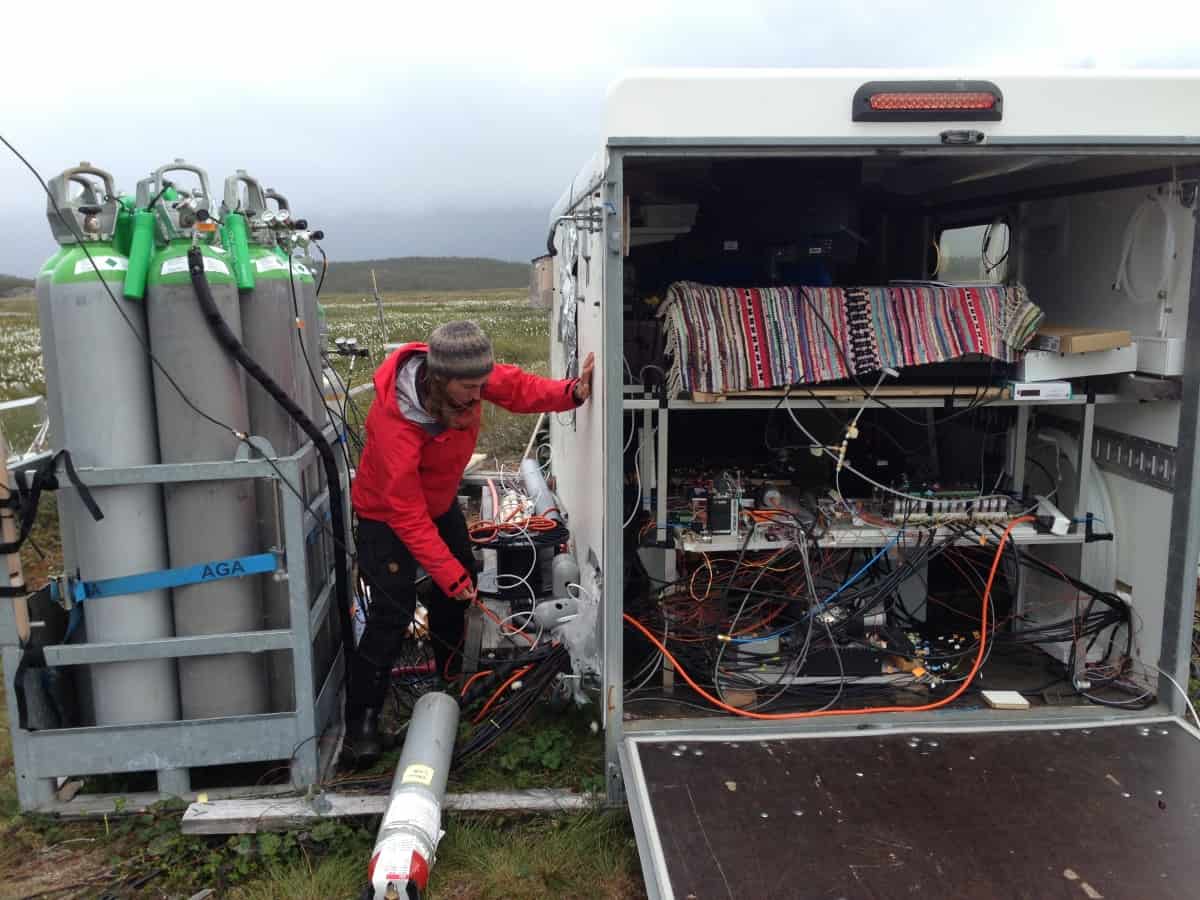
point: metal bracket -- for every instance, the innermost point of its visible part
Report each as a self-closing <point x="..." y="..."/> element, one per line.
<point x="261" y="444"/>
<point x="1142" y="460"/>
<point x="1139" y="459"/>
<point x="591" y="219"/>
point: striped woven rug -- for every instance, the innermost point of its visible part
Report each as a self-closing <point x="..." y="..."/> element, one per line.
<point x="723" y="339"/>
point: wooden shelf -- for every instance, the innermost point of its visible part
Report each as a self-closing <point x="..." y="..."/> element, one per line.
<point x="843" y="398"/>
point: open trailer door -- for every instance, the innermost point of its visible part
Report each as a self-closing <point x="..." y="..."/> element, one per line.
<point x="1072" y="811"/>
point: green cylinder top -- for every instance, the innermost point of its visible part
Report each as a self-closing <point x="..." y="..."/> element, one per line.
<point x="74" y="265"/>
<point x="272" y="264"/>
<point x="302" y="272"/>
<point x="51" y="264"/>
<point x="170" y="266"/>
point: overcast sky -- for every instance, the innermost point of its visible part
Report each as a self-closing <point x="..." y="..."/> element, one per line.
<point x="441" y="128"/>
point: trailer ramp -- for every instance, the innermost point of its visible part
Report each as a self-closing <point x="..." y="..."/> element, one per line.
<point x="1079" y="813"/>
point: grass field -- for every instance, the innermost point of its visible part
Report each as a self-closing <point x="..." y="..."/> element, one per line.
<point x="590" y="855"/>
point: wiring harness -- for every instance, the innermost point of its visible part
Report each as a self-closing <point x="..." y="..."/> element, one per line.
<point x="759" y="623"/>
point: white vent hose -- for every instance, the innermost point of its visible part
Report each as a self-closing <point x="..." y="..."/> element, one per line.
<point x="1166" y="276"/>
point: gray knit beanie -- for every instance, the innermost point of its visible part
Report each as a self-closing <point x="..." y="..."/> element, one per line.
<point x="459" y="350"/>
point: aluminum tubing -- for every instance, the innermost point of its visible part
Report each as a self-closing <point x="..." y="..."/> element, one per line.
<point x="539" y="492"/>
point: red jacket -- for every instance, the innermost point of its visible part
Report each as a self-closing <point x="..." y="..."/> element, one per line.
<point x="408" y="477"/>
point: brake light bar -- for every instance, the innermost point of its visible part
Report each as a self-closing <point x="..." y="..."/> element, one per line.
<point x="928" y="101"/>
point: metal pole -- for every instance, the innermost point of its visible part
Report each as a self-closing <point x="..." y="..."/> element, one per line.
<point x="612" y="600"/>
<point x="1083" y="464"/>
<point x="660" y="513"/>
<point x="412" y="826"/>
<point x="8" y="535"/>
<point x="1184" y="543"/>
<point x="1020" y="447"/>
<point x="32" y="792"/>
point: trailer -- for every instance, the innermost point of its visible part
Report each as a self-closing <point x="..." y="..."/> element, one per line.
<point x="886" y="506"/>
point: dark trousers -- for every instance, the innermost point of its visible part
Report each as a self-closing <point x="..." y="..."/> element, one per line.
<point x="389" y="570"/>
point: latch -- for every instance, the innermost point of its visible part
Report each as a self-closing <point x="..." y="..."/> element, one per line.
<point x="963" y="136"/>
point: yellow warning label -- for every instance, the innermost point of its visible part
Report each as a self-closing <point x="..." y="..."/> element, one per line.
<point x="418" y="774"/>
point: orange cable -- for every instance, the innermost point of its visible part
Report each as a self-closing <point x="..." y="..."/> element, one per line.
<point x="492" y="530"/>
<point x="499" y="622"/>
<point x="472" y="679"/>
<point x="499" y="691"/>
<point x="926" y="707"/>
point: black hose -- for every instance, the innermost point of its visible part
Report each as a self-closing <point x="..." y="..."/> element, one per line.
<point x="227" y="339"/>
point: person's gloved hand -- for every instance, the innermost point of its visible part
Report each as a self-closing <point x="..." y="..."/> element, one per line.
<point x="583" y="387"/>
<point x="466" y="594"/>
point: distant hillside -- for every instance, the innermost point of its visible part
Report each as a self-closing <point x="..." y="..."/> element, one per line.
<point x="11" y="285"/>
<point x="425" y="273"/>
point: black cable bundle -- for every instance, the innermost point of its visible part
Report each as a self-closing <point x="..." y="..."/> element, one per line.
<point x="227" y="339"/>
<point x="511" y="710"/>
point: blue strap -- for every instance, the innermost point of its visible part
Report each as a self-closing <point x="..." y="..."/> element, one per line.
<point x="242" y="566"/>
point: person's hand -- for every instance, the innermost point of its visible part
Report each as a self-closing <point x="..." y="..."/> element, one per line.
<point x="466" y="594"/>
<point x="583" y="387"/>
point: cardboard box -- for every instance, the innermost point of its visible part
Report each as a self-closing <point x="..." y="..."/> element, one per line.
<point x="1061" y="339"/>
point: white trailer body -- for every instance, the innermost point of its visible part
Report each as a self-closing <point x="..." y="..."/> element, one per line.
<point x="1065" y="161"/>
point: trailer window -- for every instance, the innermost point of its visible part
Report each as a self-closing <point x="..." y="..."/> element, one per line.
<point x="973" y="254"/>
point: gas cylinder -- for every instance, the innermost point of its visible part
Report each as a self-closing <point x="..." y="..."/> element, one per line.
<point x="268" y="324"/>
<point x="412" y="825"/>
<point x="206" y="520"/>
<point x="294" y="241"/>
<point x="66" y="237"/>
<point x="291" y="238"/>
<point x="102" y="410"/>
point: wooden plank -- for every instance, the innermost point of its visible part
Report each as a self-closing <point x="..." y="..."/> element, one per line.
<point x="476" y="461"/>
<point x="251" y="815"/>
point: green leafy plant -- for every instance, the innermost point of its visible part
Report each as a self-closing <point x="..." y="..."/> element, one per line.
<point x="544" y="750"/>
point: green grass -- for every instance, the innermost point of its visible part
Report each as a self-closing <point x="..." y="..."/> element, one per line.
<point x="589" y="856"/>
<point x="426" y="274"/>
<point x="551" y="749"/>
<point x="519" y="336"/>
<point x="14" y="283"/>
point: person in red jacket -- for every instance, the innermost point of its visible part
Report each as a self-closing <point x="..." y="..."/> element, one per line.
<point x="421" y="432"/>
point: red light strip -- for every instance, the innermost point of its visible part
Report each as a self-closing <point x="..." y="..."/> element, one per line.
<point x="933" y="100"/>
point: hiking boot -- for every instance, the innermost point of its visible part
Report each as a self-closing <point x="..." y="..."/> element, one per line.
<point x="363" y="744"/>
